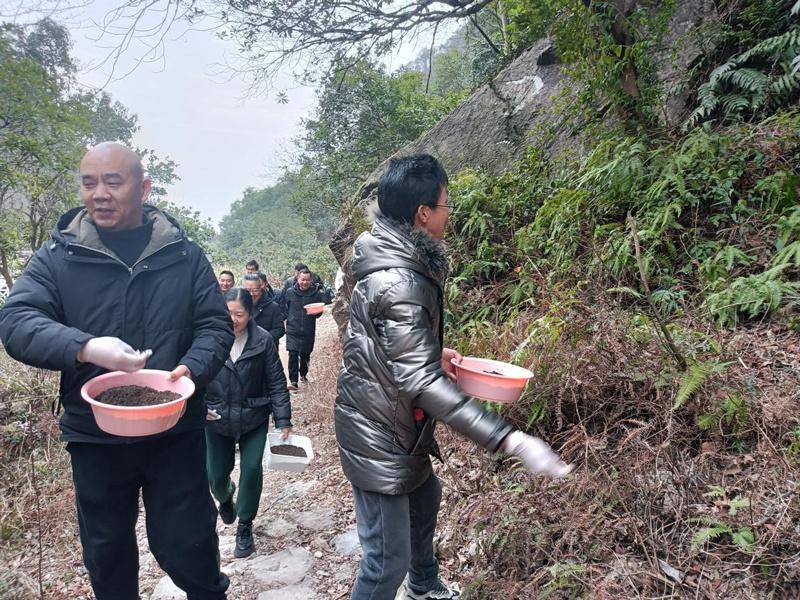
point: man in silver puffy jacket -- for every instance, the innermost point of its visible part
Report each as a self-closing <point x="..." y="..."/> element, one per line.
<point x="396" y="383"/>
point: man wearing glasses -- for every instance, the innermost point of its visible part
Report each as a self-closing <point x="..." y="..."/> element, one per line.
<point x="396" y="383"/>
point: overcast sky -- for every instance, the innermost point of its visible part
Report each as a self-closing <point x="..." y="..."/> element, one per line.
<point x="222" y="139"/>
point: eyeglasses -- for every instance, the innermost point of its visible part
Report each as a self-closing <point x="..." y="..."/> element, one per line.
<point x="448" y="205"/>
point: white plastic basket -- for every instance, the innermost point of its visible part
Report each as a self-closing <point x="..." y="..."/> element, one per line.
<point x="279" y="462"/>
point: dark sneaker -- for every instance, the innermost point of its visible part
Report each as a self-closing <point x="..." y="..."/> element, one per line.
<point x="303" y="378"/>
<point x="440" y="591"/>
<point x="244" y="540"/>
<point x="227" y="509"/>
<point x="293" y="387"/>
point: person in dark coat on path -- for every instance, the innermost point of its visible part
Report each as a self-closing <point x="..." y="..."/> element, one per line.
<point x="301" y="328"/>
<point x="316" y="282"/>
<point x="292" y="279"/>
<point x="266" y="313"/>
<point x="396" y="382"/>
<point x="117" y="275"/>
<point x="268" y="291"/>
<point x="249" y="388"/>
<point x="226" y="281"/>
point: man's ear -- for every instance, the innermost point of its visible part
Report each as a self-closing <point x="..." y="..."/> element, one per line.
<point x="422" y="215"/>
<point x="147" y="185"/>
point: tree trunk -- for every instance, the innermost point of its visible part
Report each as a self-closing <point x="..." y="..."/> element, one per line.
<point x="503" y="14"/>
<point x="622" y="35"/>
<point x="5" y="269"/>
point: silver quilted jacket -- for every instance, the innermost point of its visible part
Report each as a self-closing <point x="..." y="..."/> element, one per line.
<point x="391" y="365"/>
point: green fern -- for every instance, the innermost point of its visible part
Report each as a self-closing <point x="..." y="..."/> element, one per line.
<point x="789" y="256"/>
<point x="692" y="379"/>
<point x="712" y="532"/>
<point x="736" y="87"/>
<point x="755" y="295"/>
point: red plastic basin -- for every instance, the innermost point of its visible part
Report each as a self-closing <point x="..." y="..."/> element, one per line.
<point x="315" y="308"/>
<point x="491" y="380"/>
<point x="137" y="420"/>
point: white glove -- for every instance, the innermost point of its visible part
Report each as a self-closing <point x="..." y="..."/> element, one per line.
<point x="536" y="455"/>
<point x="113" y="354"/>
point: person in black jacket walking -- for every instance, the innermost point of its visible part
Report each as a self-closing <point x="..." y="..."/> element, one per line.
<point x="301" y="327"/>
<point x="116" y="275"/>
<point x="240" y="399"/>
<point x="266" y="312"/>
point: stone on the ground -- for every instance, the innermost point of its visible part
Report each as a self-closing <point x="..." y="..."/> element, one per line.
<point x="226" y="544"/>
<point x="296" y="489"/>
<point x="286" y="567"/>
<point x="276" y="527"/>
<point x="166" y="590"/>
<point x="291" y="592"/>
<point x="347" y="543"/>
<point x="316" y="520"/>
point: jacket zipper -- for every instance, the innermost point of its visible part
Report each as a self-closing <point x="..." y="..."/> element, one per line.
<point x="117" y="260"/>
<point x="130" y="269"/>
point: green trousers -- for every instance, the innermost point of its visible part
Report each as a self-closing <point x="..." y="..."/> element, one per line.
<point x="220" y="459"/>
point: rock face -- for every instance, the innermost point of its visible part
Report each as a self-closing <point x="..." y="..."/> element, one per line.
<point x="489" y="130"/>
<point x="495" y="126"/>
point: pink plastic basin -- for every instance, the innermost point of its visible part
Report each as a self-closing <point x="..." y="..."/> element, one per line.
<point x="137" y="420"/>
<point x="491" y="379"/>
<point x="315" y="308"/>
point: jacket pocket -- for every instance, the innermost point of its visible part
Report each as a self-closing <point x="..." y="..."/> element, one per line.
<point x="257" y="402"/>
<point x="424" y="439"/>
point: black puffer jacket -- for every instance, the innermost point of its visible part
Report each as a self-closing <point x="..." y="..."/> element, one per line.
<point x="244" y="393"/>
<point x="269" y="316"/>
<point x="391" y="364"/>
<point x="75" y="289"/>
<point x="301" y="328"/>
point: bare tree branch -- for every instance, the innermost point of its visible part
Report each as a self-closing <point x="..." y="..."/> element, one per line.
<point x="273" y="34"/>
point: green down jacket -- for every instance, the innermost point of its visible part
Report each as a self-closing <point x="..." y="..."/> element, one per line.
<point x="392" y="365"/>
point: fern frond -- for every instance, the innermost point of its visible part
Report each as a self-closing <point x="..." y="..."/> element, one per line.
<point x="709" y="533"/>
<point x="707" y="94"/>
<point x="691" y="381"/>
<point x="772" y="46"/>
<point x="748" y="79"/>
<point x="734" y="103"/>
<point x="788" y="256"/>
<point x="785" y="85"/>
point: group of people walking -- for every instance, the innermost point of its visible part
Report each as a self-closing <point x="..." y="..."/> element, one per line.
<point x="119" y="286"/>
<point x="252" y="385"/>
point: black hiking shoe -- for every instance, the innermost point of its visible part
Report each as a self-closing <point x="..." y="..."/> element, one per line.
<point x="440" y="591"/>
<point x="303" y="378"/>
<point x="227" y="509"/>
<point x="293" y="386"/>
<point x="244" y="540"/>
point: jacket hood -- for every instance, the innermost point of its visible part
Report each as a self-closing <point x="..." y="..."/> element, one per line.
<point x="75" y="226"/>
<point x="393" y="244"/>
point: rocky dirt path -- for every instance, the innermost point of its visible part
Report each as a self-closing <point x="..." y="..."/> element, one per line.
<point x="306" y="543"/>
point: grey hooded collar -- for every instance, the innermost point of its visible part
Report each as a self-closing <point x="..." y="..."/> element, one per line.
<point x="81" y="230"/>
<point x="395" y="244"/>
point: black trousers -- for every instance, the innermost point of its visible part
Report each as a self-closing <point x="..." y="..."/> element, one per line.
<point x="180" y="514"/>
<point x="298" y="362"/>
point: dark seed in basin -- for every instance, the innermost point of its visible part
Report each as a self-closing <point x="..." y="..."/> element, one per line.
<point x="288" y="450"/>
<point x="135" y="395"/>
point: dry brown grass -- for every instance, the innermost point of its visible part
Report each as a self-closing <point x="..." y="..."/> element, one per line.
<point x="649" y="479"/>
<point x="36" y="496"/>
